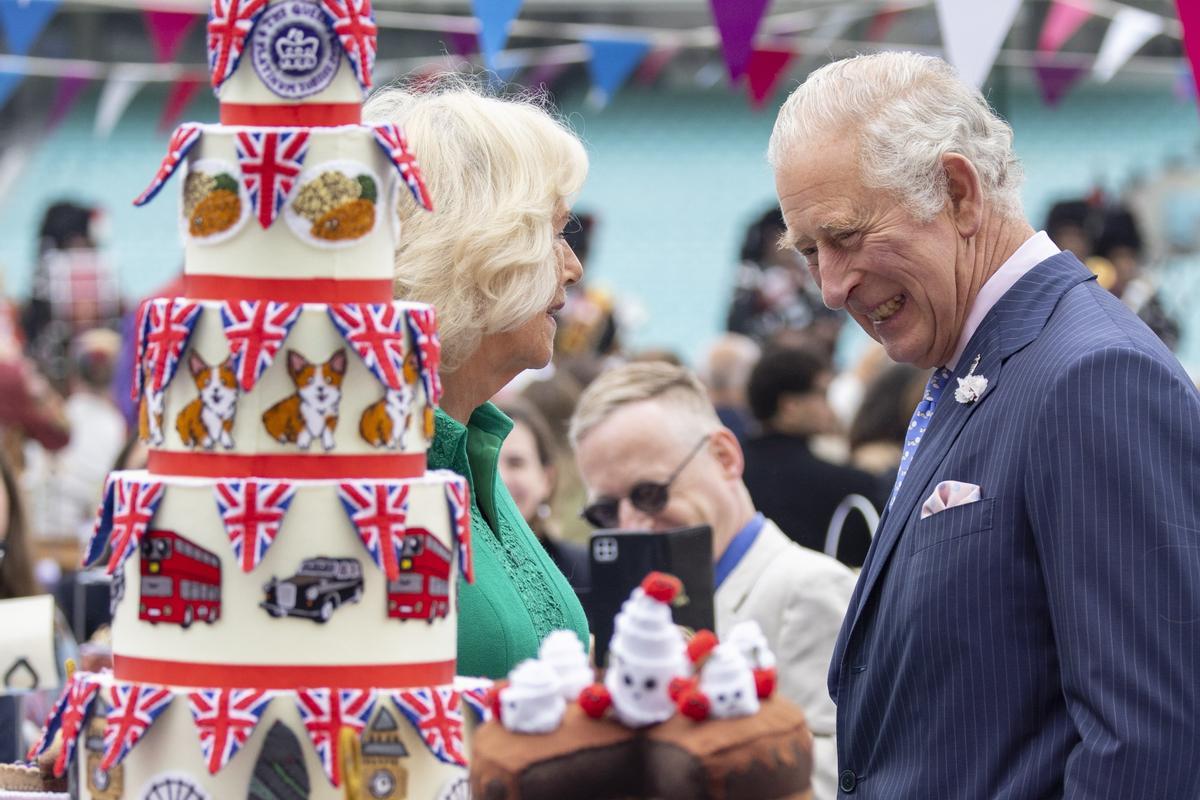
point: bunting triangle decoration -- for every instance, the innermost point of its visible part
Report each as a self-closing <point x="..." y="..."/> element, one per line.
<point x="436" y="713"/>
<point x="474" y="693"/>
<point x="255" y="330"/>
<point x="167" y="31"/>
<point x="325" y="712"/>
<point x="973" y="33"/>
<point x="376" y="332"/>
<point x="1129" y="30"/>
<point x="133" y="708"/>
<point x="23" y="22"/>
<point x="102" y="528"/>
<point x="422" y="325"/>
<point x="80" y="693"/>
<point x="458" y="500"/>
<point x="141" y="320"/>
<point x="229" y="24"/>
<point x="270" y="162"/>
<point x="764" y="71"/>
<point x="50" y="728"/>
<point x="1054" y="80"/>
<point x="612" y="62"/>
<point x="168" y="329"/>
<point x="737" y="22"/>
<point x="494" y="17"/>
<point x="182" y="141"/>
<point x="1062" y="21"/>
<point x="252" y="510"/>
<point x="123" y="84"/>
<point x="391" y="138"/>
<point x="354" y="23"/>
<point x="134" y="506"/>
<point x="66" y="95"/>
<point x="1189" y="15"/>
<point x="225" y="719"/>
<point x="378" y="511"/>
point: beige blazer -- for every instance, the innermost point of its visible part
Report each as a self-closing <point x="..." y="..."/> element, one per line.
<point x="798" y="596"/>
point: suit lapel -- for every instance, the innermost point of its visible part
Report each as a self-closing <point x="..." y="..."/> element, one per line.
<point x="1014" y="322"/>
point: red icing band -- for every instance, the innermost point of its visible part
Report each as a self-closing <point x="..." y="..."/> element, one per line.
<point x="298" y="115"/>
<point x="287" y="290"/>
<point x="218" y="465"/>
<point x="281" y="676"/>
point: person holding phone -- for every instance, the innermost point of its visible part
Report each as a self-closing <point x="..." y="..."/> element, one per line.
<point x="654" y="456"/>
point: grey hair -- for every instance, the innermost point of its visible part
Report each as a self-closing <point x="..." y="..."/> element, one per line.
<point x="908" y="110"/>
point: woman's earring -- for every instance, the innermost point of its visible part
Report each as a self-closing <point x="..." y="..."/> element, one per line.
<point x="543" y="511"/>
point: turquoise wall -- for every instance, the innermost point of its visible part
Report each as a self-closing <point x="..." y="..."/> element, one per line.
<point x="675" y="178"/>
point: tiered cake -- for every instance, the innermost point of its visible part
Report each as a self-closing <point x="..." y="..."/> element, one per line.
<point x="285" y="570"/>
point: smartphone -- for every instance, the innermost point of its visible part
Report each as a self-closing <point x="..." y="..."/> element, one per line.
<point x="621" y="559"/>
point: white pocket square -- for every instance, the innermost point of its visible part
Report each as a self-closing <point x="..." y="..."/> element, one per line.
<point x="949" y="494"/>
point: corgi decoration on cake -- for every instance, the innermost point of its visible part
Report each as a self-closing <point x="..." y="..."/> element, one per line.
<point x="385" y="422"/>
<point x="312" y="412"/>
<point x="209" y="418"/>
<point x="150" y="412"/>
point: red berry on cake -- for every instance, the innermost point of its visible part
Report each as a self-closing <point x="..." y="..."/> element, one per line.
<point x="662" y="587"/>
<point x="595" y="700"/>
<point x="694" y="705"/>
<point x="700" y="646"/>
<point x="678" y="686"/>
<point x="764" y="682"/>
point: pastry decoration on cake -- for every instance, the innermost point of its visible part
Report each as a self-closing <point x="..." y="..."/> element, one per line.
<point x="285" y="570"/>
<point x="720" y="733"/>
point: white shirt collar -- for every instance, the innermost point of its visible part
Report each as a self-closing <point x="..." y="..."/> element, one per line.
<point x="1035" y="250"/>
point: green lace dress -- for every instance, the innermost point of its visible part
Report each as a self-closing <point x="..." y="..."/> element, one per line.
<point x="518" y="596"/>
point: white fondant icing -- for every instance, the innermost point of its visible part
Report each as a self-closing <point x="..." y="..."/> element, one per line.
<point x="728" y="683"/>
<point x="563" y="652"/>
<point x="647" y="651"/>
<point x="532" y="702"/>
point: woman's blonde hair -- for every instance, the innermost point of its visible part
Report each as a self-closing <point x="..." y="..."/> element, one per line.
<point x="498" y="172"/>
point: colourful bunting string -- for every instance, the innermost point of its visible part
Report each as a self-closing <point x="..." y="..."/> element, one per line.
<point x="167" y="31"/>
<point x="1055" y="81"/>
<point x="494" y="17"/>
<point x="252" y="511"/>
<point x="737" y="22"/>
<point x="612" y="62"/>
<point x="1129" y="30"/>
<point x="436" y="713"/>
<point x="116" y="95"/>
<point x="390" y="137"/>
<point x="458" y="501"/>
<point x="1062" y="21"/>
<point x="229" y="23"/>
<point x="378" y="511"/>
<point x="255" y="330"/>
<point x="133" y="708"/>
<point x="354" y="23"/>
<point x="225" y="719"/>
<point x="766" y="68"/>
<point x="325" y="712"/>
<point x="973" y="34"/>
<point x="376" y="332"/>
<point x="23" y="22"/>
<point x="134" y="506"/>
<point x="1189" y="16"/>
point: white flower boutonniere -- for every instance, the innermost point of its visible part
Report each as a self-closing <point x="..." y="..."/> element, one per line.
<point x="972" y="387"/>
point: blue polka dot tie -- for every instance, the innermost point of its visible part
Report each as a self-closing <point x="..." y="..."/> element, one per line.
<point x="918" y="424"/>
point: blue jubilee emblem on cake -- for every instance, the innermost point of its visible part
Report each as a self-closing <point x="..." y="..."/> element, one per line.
<point x="295" y="53"/>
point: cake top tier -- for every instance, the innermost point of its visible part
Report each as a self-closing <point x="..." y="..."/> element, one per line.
<point x="291" y="62"/>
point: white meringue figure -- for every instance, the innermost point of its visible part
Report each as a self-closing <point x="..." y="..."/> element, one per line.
<point x="532" y="702"/>
<point x="646" y="652"/>
<point x="749" y="640"/>
<point x="728" y="682"/>
<point x="563" y="652"/>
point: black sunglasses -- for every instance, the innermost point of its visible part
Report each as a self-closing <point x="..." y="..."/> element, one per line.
<point x="648" y="497"/>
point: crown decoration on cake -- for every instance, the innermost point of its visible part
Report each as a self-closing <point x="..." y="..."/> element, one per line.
<point x="229" y="24"/>
<point x="225" y="719"/>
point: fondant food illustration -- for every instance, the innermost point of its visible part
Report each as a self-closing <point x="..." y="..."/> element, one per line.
<point x="338" y="206"/>
<point x="210" y="203"/>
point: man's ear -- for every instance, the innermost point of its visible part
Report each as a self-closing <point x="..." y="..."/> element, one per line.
<point x="966" y="194"/>
<point x="728" y="452"/>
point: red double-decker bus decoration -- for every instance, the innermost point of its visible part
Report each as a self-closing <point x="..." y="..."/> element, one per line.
<point x="423" y="589"/>
<point x="181" y="581"/>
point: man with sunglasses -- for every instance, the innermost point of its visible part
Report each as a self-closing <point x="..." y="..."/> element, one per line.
<point x="654" y="457"/>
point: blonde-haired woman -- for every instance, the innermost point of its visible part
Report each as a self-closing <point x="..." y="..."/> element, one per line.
<point x="491" y="258"/>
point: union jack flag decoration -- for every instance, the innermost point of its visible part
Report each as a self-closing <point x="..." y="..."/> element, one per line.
<point x="354" y="23"/>
<point x="80" y="694"/>
<point x="50" y="727"/>
<point x="169" y="325"/>
<point x="256" y="330"/>
<point x="390" y="137"/>
<point x="139" y="346"/>
<point x="378" y="511"/>
<point x="104" y="522"/>
<point x="134" y="505"/>
<point x="270" y="162"/>
<point x="436" y="713"/>
<point x="376" y="332"/>
<point x="132" y="710"/>
<point x="252" y="510"/>
<point x="225" y="719"/>
<point x="423" y="325"/>
<point x="182" y="141"/>
<point x="474" y="693"/>
<point x="458" y="498"/>
<point x="325" y="712"/>
<point x="229" y="23"/>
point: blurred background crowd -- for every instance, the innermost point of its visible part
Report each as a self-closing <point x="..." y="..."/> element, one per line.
<point x="677" y="230"/>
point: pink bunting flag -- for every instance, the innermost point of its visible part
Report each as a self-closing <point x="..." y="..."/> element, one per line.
<point x="1189" y="15"/>
<point x="167" y="31"/>
<point x="1064" y="18"/>
<point x="66" y="95"/>
<point x="766" y="68"/>
<point x="737" y="22"/>
<point x="653" y="64"/>
<point x="1054" y="80"/>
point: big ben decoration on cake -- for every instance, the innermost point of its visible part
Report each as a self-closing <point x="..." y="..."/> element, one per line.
<point x="286" y="400"/>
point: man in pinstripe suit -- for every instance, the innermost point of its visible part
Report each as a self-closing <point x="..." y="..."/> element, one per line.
<point x="1027" y="622"/>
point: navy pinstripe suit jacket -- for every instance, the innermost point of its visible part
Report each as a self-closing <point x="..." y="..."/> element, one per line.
<point x="1043" y="642"/>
